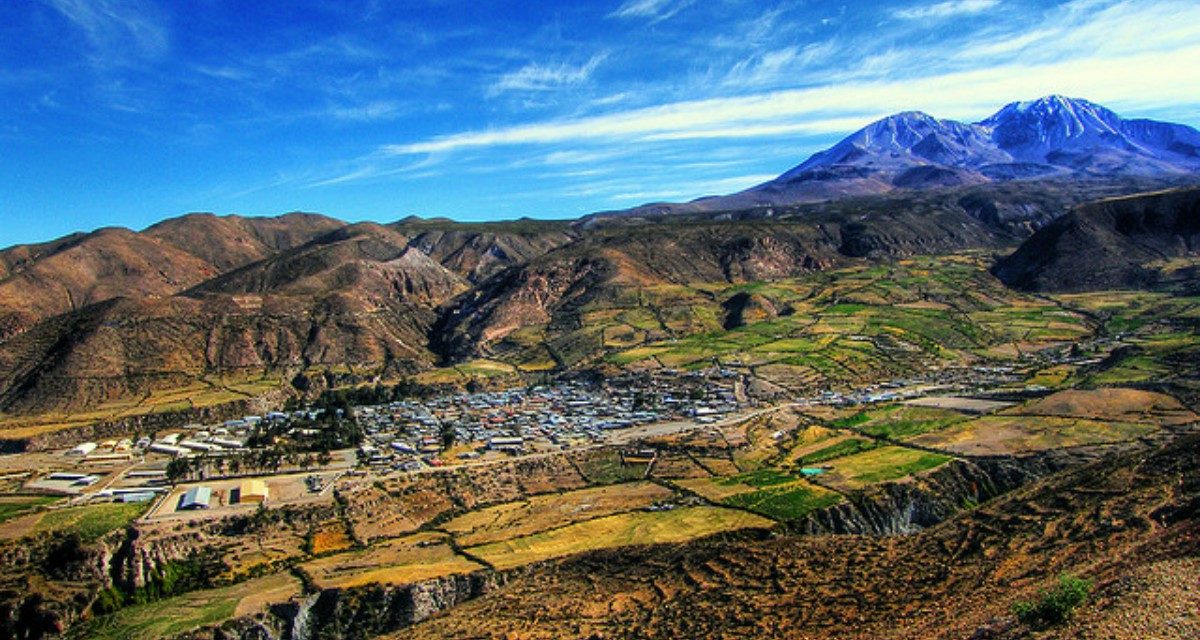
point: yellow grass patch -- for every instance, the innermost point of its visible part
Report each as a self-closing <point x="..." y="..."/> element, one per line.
<point x="1124" y="405"/>
<point x="329" y="537"/>
<point x="423" y="556"/>
<point x="1006" y="435"/>
<point x="540" y="513"/>
<point x="641" y="527"/>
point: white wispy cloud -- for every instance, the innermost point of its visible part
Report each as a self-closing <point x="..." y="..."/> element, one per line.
<point x="615" y="98"/>
<point x="1123" y="52"/>
<point x="224" y="72"/>
<point x="655" y="10"/>
<point x="1096" y="28"/>
<point x="543" y="77"/>
<point x="1159" y="77"/>
<point x="572" y="156"/>
<point x="375" y="170"/>
<point x="118" y="31"/>
<point x="1007" y="44"/>
<point x="692" y="189"/>
<point x="814" y="126"/>
<point x="370" y="112"/>
<point x="778" y="66"/>
<point x="945" y="9"/>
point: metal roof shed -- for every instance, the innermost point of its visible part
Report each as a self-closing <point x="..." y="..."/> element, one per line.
<point x="196" y="498"/>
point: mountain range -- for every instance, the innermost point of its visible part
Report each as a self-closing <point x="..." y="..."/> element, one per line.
<point x="115" y="316"/>
<point x="1050" y="138"/>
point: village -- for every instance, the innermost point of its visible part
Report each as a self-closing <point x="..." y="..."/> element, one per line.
<point x="296" y="456"/>
<point x="299" y="456"/>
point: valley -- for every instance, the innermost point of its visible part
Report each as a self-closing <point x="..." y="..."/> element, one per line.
<point x="900" y="391"/>
<point x="886" y="402"/>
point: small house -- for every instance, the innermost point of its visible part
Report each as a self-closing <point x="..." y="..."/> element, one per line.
<point x="252" y="491"/>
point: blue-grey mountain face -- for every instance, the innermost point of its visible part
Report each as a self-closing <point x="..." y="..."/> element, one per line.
<point x="1052" y="137"/>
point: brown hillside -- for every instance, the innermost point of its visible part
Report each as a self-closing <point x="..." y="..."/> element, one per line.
<point x="229" y="242"/>
<point x="478" y="251"/>
<point x="39" y="281"/>
<point x="100" y="266"/>
<point x="364" y="259"/>
<point x="123" y="350"/>
<point x="605" y="266"/>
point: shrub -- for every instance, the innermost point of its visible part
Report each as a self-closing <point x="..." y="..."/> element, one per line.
<point x="1056" y="605"/>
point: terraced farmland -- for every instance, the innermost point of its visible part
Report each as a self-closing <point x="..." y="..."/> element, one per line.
<point x="13" y="506"/>
<point x="862" y="323"/>
<point x="90" y="522"/>
<point x="550" y="511"/>
<point x="897" y="422"/>
<point x="398" y="561"/>
<point x="769" y="492"/>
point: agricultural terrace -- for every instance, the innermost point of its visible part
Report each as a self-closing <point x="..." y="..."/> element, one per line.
<point x="550" y="511"/>
<point x="422" y="556"/>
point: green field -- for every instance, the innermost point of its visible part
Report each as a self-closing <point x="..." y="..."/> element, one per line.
<point x="786" y="502"/>
<point x="766" y="491"/>
<point x="844" y="448"/>
<point x="13" y="506"/>
<point x="759" y="478"/>
<point x="845" y="326"/>
<point x="896" y="422"/>
<point x="90" y="522"/>
<point x="879" y="465"/>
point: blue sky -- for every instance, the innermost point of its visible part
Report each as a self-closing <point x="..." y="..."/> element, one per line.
<point x="127" y="112"/>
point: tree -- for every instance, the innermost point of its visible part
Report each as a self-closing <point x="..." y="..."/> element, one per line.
<point x="177" y="469"/>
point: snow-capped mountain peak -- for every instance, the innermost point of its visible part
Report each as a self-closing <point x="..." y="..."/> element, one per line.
<point x="1051" y="138"/>
<point x="1030" y="130"/>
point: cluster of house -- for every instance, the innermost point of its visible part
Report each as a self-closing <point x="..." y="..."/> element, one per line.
<point x="187" y="441"/>
<point x="410" y="435"/>
<point x="217" y="439"/>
